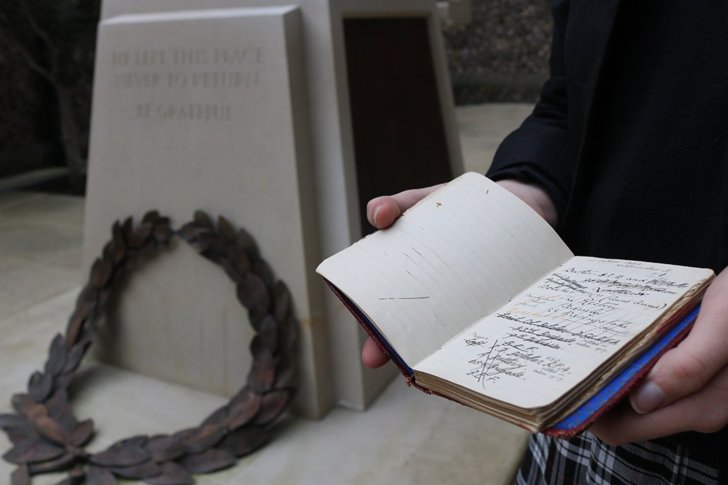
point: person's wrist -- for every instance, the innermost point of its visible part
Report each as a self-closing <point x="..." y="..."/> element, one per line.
<point x="534" y="196"/>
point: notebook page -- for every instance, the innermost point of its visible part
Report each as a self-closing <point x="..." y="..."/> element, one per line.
<point x="457" y="255"/>
<point x="554" y="334"/>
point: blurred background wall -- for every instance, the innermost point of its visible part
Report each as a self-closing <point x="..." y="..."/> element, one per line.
<point x="46" y="61"/>
<point x="498" y="52"/>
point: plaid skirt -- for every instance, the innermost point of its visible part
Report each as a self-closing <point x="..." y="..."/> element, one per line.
<point x="585" y="459"/>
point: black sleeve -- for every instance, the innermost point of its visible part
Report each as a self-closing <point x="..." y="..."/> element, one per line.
<point x="537" y="151"/>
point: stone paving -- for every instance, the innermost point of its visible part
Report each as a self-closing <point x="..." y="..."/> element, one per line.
<point x="404" y="437"/>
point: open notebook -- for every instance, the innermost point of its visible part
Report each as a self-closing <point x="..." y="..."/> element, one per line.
<point x="476" y="298"/>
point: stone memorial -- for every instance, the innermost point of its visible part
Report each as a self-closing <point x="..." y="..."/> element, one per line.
<point x="285" y="120"/>
<point x="202" y="111"/>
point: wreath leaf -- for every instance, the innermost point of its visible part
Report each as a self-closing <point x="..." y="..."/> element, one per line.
<point x="121" y="455"/>
<point x="208" y="461"/>
<point x="82" y="433"/>
<point x="32" y="452"/>
<point x="99" y="476"/>
<point x="65" y="462"/>
<point x="272" y="406"/>
<point x="202" y="438"/>
<point x="20" y="476"/>
<point x="172" y="474"/>
<point x="46" y="435"/>
<point x="245" y="441"/>
<point x="51" y="429"/>
<point x="165" y="448"/>
<point x="40" y="386"/>
<point x="56" y="356"/>
<point x="142" y="471"/>
<point x="8" y="421"/>
<point x="243" y="407"/>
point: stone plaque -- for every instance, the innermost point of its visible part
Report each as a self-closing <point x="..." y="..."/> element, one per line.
<point x="340" y="108"/>
<point x="204" y="110"/>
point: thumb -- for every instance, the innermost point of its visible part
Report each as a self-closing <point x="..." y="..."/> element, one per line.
<point x="384" y="210"/>
<point x="681" y="371"/>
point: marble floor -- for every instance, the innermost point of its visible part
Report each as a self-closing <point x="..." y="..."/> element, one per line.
<point x="404" y="437"/>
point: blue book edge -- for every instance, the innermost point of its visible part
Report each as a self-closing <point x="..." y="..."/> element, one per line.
<point x="579" y="417"/>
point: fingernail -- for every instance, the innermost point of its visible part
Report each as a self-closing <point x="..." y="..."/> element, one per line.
<point x="647" y="398"/>
<point x="374" y="216"/>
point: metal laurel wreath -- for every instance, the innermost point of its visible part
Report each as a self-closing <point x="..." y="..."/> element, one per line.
<point x="47" y="437"/>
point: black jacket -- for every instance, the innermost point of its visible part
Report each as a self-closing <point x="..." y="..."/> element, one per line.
<point x="682" y="216"/>
<point x="547" y="147"/>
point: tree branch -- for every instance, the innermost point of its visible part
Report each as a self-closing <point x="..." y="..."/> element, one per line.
<point x="34" y="65"/>
<point x="43" y="36"/>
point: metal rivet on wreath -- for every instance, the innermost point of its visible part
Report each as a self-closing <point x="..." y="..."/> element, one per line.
<point x="47" y="437"/>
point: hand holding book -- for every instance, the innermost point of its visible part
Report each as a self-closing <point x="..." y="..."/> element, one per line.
<point x="476" y="298"/>
<point x="687" y="390"/>
<point x="685" y="382"/>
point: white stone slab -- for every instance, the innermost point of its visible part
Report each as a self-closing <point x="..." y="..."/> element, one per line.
<point x="204" y="110"/>
<point x="334" y="168"/>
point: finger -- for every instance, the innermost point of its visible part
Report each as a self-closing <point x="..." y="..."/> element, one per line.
<point x="689" y="366"/>
<point x="372" y="354"/>
<point x="703" y="411"/>
<point x="383" y="211"/>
